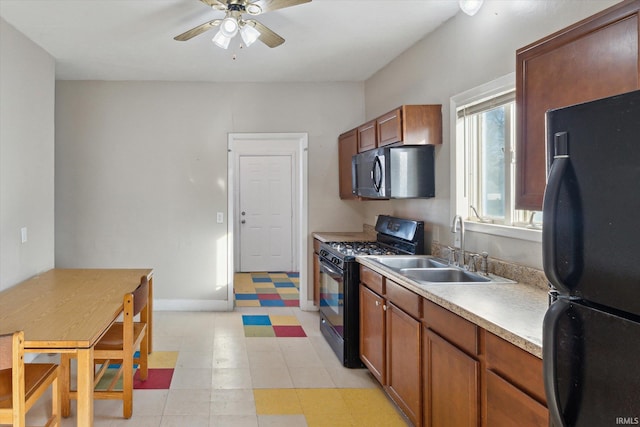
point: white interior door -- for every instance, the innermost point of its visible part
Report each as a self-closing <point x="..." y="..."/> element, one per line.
<point x="265" y="214"/>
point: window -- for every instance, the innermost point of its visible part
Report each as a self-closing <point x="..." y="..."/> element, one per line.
<point x="484" y="158"/>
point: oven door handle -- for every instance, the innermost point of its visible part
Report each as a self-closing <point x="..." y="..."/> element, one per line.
<point x="332" y="271"/>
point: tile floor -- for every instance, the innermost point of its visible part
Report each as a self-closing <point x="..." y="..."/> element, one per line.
<point x="225" y="375"/>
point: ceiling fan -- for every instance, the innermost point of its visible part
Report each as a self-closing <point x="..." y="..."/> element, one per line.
<point x="233" y="23"/>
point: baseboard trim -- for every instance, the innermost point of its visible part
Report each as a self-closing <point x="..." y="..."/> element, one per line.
<point x="190" y="305"/>
<point x="207" y="305"/>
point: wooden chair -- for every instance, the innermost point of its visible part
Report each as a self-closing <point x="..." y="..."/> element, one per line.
<point x="21" y="385"/>
<point x="118" y="345"/>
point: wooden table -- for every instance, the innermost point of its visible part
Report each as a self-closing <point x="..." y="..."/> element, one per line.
<point x="67" y="311"/>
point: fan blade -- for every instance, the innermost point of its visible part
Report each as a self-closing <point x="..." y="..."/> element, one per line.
<point x="267" y="36"/>
<point x="197" y="30"/>
<point x="216" y="4"/>
<point x="269" y="5"/>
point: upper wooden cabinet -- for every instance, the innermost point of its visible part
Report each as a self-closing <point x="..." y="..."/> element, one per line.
<point x="411" y="125"/>
<point x="594" y="58"/>
<point x="367" y="137"/>
<point x="406" y="125"/>
<point x="347" y="148"/>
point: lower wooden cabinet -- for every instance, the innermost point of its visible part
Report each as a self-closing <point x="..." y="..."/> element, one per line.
<point x="372" y="333"/>
<point x="506" y="405"/>
<point x="513" y="386"/>
<point x="451" y="384"/>
<point x="404" y="367"/>
<point x="441" y="369"/>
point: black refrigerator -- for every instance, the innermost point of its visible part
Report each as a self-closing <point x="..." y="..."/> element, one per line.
<point x="591" y="256"/>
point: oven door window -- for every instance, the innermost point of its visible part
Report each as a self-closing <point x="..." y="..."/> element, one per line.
<point x="332" y="295"/>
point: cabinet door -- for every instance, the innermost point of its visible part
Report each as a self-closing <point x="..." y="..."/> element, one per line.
<point x="595" y="58"/>
<point x="347" y="148"/>
<point x="372" y="333"/>
<point x="507" y="406"/>
<point x="451" y="386"/>
<point x="404" y="365"/>
<point x="367" y="136"/>
<point x="390" y="127"/>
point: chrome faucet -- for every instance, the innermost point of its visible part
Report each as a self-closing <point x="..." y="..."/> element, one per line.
<point x="458" y="225"/>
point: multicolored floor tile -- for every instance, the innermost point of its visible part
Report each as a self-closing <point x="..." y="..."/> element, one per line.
<point x="263" y="325"/>
<point x="161" y="365"/>
<point x="264" y="289"/>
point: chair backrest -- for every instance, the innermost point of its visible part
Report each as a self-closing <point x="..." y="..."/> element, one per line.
<point x="12" y="352"/>
<point x="141" y="296"/>
<point x="6" y="351"/>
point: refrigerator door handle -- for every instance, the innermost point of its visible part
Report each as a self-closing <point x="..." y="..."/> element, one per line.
<point x="551" y="195"/>
<point x="562" y="244"/>
<point x="549" y="360"/>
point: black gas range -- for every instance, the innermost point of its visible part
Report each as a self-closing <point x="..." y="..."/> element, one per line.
<point x="339" y="281"/>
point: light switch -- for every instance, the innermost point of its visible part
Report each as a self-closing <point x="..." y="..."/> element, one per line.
<point x="23" y="234"/>
<point x="220" y="217"/>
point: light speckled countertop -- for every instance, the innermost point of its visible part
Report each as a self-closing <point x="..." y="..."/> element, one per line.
<point x="512" y="311"/>
<point x="362" y="236"/>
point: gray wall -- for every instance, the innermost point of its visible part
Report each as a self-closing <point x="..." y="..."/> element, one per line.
<point x="141" y="170"/>
<point x="27" y="91"/>
<point x="462" y="54"/>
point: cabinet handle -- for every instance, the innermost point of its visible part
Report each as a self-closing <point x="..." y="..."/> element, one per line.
<point x="384" y="307"/>
<point x="377" y="303"/>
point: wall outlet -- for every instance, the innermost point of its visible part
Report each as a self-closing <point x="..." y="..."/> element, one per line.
<point x="220" y="217"/>
<point x="23" y="234"/>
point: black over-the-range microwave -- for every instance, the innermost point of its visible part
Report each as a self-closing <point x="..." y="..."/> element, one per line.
<point x="401" y="172"/>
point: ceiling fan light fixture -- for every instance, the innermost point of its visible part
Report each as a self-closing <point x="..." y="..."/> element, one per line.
<point x="229" y="27"/>
<point x="249" y="34"/>
<point x="221" y="40"/>
<point x="253" y="9"/>
<point x="470" y="7"/>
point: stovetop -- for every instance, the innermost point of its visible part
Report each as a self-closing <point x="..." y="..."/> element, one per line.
<point x="395" y="236"/>
<point x="362" y="248"/>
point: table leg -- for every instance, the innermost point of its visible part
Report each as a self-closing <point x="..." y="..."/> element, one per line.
<point x="85" y="387"/>
<point x="65" y="383"/>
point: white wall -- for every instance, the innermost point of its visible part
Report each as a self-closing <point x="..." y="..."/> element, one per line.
<point x="462" y="54"/>
<point x="141" y="170"/>
<point x="27" y="91"/>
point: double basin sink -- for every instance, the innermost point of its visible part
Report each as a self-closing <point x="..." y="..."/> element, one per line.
<point x="427" y="269"/>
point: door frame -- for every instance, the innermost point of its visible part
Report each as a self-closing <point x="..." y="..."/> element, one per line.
<point x="296" y="145"/>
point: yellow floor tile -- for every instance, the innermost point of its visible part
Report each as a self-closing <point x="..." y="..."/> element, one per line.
<point x="324" y="401"/>
<point x="277" y="401"/>
<point x="162" y="359"/>
<point x="371" y="407"/>
<point x="283" y="320"/>
<point x="279" y="275"/>
<point x="287" y="290"/>
<point x="248" y="303"/>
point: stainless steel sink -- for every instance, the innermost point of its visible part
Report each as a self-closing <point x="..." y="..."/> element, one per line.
<point x="441" y="275"/>
<point x="399" y="262"/>
<point x="427" y="270"/>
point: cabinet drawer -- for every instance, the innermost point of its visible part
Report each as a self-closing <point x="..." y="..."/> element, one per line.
<point x="404" y="299"/>
<point x="516" y="365"/>
<point x="506" y="405"/>
<point x="454" y="328"/>
<point x="373" y="280"/>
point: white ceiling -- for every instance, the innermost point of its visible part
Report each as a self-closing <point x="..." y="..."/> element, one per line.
<point x="326" y="40"/>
